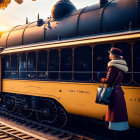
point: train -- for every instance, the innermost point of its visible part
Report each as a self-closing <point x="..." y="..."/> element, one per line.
<point x="49" y="67"/>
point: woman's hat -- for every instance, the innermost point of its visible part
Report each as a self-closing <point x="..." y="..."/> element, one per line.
<point x="116" y="51"/>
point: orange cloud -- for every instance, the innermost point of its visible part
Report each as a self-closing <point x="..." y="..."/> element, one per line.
<point x="19" y="1"/>
<point x="5" y="3"/>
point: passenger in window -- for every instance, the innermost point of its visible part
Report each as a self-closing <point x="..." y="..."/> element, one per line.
<point x="117" y="112"/>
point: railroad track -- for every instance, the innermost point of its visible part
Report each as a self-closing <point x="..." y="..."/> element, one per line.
<point x="42" y="132"/>
<point x="38" y="131"/>
<point x="8" y="133"/>
<point x="25" y="129"/>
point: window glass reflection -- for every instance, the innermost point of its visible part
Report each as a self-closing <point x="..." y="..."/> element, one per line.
<point x="31" y="59"/>
<point x="42" y="65"/>
<point x="14" y="68"/>
<point x="22" y="66"/>
<point x="54" y="64"/>
<point x="83" y="63"/>
<point x="66" y="64"/>
<point x="7" y="66"/>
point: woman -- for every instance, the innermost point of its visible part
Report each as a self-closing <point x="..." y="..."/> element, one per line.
<point x="117" y="112"/>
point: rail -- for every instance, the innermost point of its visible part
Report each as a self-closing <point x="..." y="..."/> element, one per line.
<point x="50" y="133"/>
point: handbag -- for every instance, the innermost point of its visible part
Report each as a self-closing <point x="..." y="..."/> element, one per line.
<point x="104" y="94"/>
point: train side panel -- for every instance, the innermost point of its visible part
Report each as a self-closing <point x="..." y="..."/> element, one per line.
<point x="76" y="98"/>
<point x="132" y="97"/>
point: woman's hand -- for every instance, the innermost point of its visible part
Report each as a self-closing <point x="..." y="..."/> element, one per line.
<point x="102" y="80"/>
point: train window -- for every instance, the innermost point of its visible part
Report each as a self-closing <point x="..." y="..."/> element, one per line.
<point x="54" y="64"/>
<point x="42" y="65"/>
<point x="126" y="48"/>
<point x="14" y="66"/>
<point x="137" y="62"/>
<point x="31" y="68"/>
<point x="83" y="63"/>
<point x="6" y="66"/>
<point x="66" y="64"/>
<point x="22" y="66"/>
<point x="100" y="60"/>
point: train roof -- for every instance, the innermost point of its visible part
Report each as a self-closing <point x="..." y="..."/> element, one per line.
<point x="106" y="17"/>
<point x="95" y="39"/>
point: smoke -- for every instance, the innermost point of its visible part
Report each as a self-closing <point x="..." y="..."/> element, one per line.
<point x="5" y="3"/>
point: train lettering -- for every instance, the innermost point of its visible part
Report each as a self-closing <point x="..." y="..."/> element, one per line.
<point x="134" y="99"/>
<point x="79" y="91"/>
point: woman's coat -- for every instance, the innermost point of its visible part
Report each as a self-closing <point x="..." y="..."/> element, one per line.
<point x="117" y="111"/>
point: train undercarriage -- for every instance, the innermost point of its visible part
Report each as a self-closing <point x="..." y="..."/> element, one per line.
<point x="45" y="110"/>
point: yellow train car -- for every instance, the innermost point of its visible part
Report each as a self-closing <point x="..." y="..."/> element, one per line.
<point x="59" y="78"/>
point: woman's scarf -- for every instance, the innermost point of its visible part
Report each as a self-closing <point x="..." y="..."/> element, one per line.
<point x="119" y="64"/>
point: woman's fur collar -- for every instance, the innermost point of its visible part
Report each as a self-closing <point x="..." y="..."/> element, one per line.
<point x="119" y="64"/>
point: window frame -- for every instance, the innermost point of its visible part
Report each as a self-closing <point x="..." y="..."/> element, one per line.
<point x="131" y="43"/>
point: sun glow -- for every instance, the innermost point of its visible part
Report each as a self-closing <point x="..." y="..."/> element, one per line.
<point x="3" y="28"/>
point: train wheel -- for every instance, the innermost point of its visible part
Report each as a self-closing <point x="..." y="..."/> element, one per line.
<point x="48" y="112"/>
<point x="61" y="117"/>
<point x="10" y="104"/>
<point x="25" y="111"/>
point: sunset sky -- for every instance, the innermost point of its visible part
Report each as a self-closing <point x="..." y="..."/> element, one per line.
<point x="16" y="14"/>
